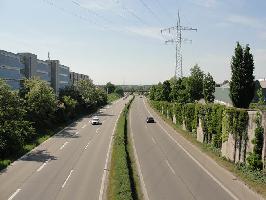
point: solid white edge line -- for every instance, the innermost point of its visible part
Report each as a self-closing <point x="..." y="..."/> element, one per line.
<point x="67" y="178"/>
<point x="144" y="189"/>
<point x="195" y="160"/>
<point x="14" y="194"/>
<point x="107" y="159"/>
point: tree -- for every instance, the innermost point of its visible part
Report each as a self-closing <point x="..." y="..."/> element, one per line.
<point x="242" y="85"/>
<point x="101" y="96"/>
<point x="208" y="88"/>
<point x="110" y="87"/>
<point x="152" y="92"/>
<point x="119" y="91"/>
<point x="195" y="83"/>
<point x="87" y="90"/>
<point x="40" y="101"/>
<point x="14" y="129"/>
<point x="260" y="96"/>
<point x="166" y="90"/>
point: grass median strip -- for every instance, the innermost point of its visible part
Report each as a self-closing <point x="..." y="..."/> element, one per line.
<point x="123" y="179"/>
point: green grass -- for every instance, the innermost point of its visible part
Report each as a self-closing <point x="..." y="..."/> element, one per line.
<point x="256" y="180"/>
<point x="123" y="178"/>
<point x="112" y="97"/>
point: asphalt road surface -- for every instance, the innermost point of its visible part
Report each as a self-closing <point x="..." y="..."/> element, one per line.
<point x="172" y="168"/>
<point x="70" y="165"/>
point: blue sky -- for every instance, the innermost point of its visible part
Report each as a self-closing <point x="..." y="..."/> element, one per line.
<point x="120" y="40"/>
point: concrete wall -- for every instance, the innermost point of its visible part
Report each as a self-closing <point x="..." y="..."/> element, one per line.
<point x="243" y="147"/>
<point x="200" y="134"/>
<point x="264" y="144"/>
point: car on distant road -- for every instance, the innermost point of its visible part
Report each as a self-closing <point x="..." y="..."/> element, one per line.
<point x="95" y="121"/>
<point x="150" y="120"/>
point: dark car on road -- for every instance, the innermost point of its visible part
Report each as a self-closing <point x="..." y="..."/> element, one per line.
<point x="150" y="120"/>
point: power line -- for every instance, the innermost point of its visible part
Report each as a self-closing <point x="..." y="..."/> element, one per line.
<point x="177" y="40"/>
<point x="150" y="10"/>
<point x="62" y="9"/>
<point x="132" y="13"/>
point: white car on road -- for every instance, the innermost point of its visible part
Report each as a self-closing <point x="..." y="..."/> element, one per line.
<point x="95" y="121"/>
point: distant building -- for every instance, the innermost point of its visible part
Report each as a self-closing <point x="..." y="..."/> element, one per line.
<point x="75" y="77"/>
<point x="11" y="68"/>
<point x="15" y="67"/>
<point x="59" y="75"/>
<point x="35" y="68"/>
<point x="222" y="94"/>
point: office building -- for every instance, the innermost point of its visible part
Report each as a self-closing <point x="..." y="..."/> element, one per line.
<point x="75" y="77"/>
<point x="11" y="68"/>
<point x="35" y="68"/>
<point x="59" y="75"/>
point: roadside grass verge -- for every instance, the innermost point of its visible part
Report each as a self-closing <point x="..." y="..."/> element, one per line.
<point x="123" y="179"/>
<point x="112" y="97"/>
<point x="256" y="180"/>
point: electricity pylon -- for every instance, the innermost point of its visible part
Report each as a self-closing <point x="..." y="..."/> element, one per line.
<point x="177" y="40"/>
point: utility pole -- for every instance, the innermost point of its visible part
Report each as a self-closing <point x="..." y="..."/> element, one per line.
<point x="177" y="40"/>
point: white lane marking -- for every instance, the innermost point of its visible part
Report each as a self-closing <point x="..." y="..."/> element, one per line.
<point x="196" y="161"/>
<point x="97" y="130"/>
<point x="87" y="145"/>
<point x="76" y="133"/>
<point x="144" y="190"/>
<point x="168" y="164"/>
<point x="43" y="165"/>
<point x="106" y="160"/>
<point x="63" y="145"/>
<point x="153" y="140"/>
<point x="67" y="178"/>
<point x="14" y="194"/>
<point x="84" y="126"/>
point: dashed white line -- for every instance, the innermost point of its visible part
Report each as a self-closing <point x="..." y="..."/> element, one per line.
<point x="14" y="194"/>
<point x="84" y="126"/>
<point x="153" y="140"/>
<point x="67" y="178"/>
<point x="43" y="165"/>
<point x="87" y="145"/>
<point x="97" y="130"/>
<point x="63" y="145"/>
<point x="195" y="160"/>
<point x="168" y="164"/>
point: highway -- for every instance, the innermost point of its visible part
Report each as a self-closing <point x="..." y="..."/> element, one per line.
<point x="72" y="164"/>
<point x="171" y="168"/>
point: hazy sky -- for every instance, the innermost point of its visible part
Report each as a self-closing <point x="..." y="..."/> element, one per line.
<point x="120" y="40"/>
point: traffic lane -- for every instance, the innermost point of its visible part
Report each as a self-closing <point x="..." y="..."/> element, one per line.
<point x="46" y="183"/>
<point x="19" y="171"/>
<point x="159" y="178"/>
<point x="197" y="182"/>
<point x="85" y="181"/>
<point x="15" y="181"/>
<point x="230" y="184"/>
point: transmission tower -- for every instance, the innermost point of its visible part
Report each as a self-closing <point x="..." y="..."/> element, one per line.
<point x="177" y="40"/>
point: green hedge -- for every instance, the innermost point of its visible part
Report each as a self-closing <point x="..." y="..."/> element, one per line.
<point x="217" y="120"/>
